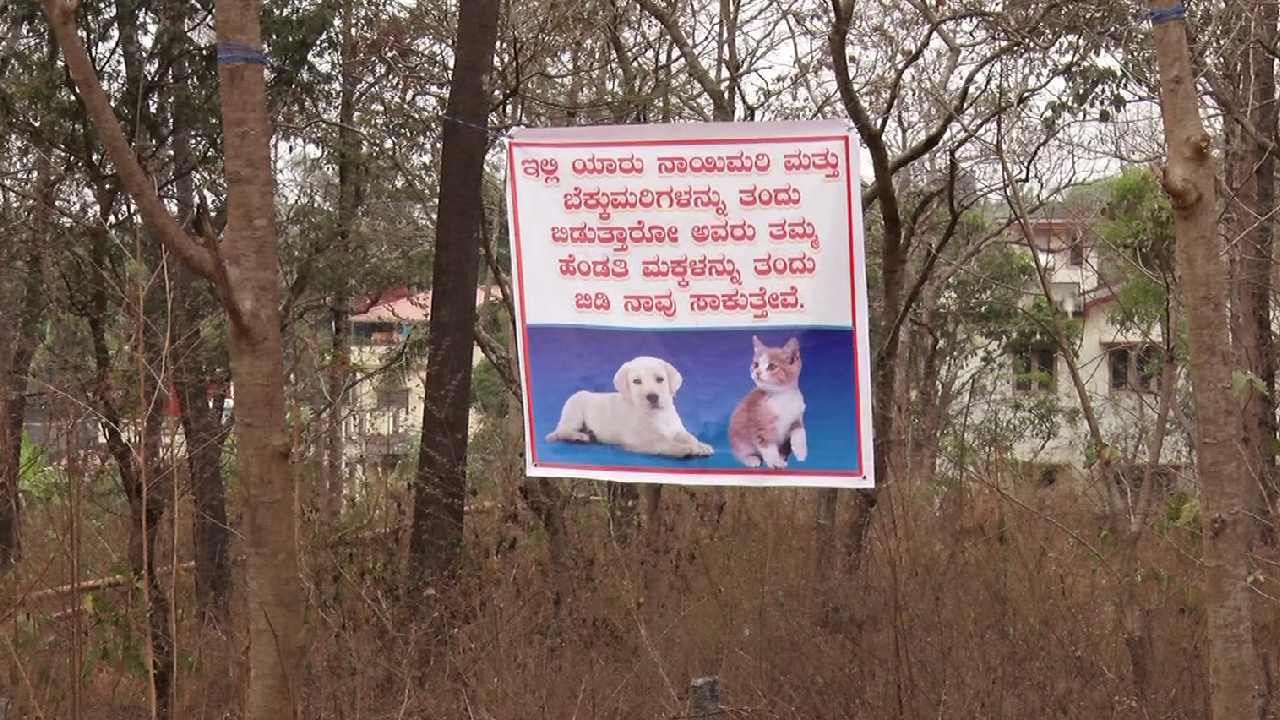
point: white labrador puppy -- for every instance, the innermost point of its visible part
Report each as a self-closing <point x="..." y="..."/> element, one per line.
<point x="641" y="416"/>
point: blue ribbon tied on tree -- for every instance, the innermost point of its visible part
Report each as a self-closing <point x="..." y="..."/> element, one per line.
<point x="238" y="53"/>
<point x="1161" y="16"/>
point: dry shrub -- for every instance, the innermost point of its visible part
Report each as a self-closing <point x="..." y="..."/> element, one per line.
<point x="1018" y="624"/>
<point x="945" y="618"/>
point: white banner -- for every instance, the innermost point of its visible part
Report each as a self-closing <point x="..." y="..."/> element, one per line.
<point x="691" y="302"/>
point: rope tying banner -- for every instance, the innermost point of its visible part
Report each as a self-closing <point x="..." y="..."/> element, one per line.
<point x="1169" y="14"/>
<point x="236" y="53"/>
<point x="496" y="133"/>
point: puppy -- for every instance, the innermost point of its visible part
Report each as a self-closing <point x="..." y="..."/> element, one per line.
<point x="640" y="417"/>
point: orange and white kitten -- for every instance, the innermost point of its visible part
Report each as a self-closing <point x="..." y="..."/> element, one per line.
<point x="768" y="425"/>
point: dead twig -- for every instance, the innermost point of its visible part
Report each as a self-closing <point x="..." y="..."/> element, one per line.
<point x="100" y="584"/>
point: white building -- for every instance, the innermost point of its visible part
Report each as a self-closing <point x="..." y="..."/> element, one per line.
<point x="1119" y="367"/>
<point x="384" y="413"/>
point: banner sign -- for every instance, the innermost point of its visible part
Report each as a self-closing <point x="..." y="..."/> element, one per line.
<point x="691" y="302"/>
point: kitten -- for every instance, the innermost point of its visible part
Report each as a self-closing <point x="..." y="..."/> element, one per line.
<point x="768" y="425"/>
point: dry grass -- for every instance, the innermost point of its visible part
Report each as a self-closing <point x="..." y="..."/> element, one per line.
<point x="942" y="621"/>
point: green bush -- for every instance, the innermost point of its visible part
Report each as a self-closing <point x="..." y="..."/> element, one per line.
<point x="38" y="480"/>
<point x="488" y="392"/>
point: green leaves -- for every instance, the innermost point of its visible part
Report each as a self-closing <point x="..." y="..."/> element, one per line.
<point x="1182" y="511"/>
<point x="1138" y="222"/>
<point x="37" y="479"/>
<point x="1136" y="252"/>
<point x="1243" y="381"/>
<point x="488" y="393"/>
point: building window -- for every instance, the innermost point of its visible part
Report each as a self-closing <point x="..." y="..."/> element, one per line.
<point x="356" y="424"/>
<point x="1034" y="369"/>
<point x="1047" y="258"/>
<point x="374" y="333"/>
<point x="392" y="408"/>
<point x="1077" y="253"/>
<point x="1118" y="361"/>
<point x="1146" y="365"/>
<point x="1066" y="295"/>
<point x="1134" y="367"/>
<point x="393" y="398"/>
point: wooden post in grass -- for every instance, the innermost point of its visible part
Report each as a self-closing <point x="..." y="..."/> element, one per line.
<point x="704" y="697"/>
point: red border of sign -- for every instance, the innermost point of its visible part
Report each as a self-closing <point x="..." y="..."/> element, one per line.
<point x="518" y="257"/>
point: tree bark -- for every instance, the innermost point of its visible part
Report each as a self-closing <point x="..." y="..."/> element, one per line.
<point x="334" y="437"/>
<point x="250" y="251"/>
<point x="197" y="363"/>
<point x="349" y="197"/>
<point x="244" y="269"/>
<point x="1250" y="184"/>
<point x="435" y="540"/>
<point x="1234" y="679"/>
<point x="1260" y="412"/>
<point x="205" y="437"/>
<point x="15" y="364"/>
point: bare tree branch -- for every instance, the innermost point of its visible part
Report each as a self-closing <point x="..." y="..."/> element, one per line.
<point x="201" y="257"/>
<point x="721" y="109"/>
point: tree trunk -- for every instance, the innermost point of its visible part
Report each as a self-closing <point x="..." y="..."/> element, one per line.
<point x="547" y="502"/>
<point x="147" y="486"/>
<point x="13" y="409"/>
<point x="885" y="328"/>
<point x="1135" y="616"/>
<point x="148" y="501"/>
<point x="1262" y="359"/>
<point x="1250" y="183"/>
<point x="1260" y="412"/>
<point x="204" y="436"/>
<point x="1234" y="679"/>
<point x="202" y="429"/>
<point x="935" y="391"/>
<point x="262" y="440"/>
<point x="244" y="269"/>
<point x="249" y="249"/>
<point x="195" y="368"/>
<point x="349" y="196"/>
<point x="435" y="540"/>
<point x="15" y="364"/>
<point x="653" y="523"/>
<point x="334" y="437"/>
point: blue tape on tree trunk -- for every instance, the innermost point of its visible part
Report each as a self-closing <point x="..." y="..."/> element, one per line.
<point x="236" y="53"/>
<point x="1169" y="14"/>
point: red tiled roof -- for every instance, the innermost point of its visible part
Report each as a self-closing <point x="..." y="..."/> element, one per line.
<point x="399" y="305"/>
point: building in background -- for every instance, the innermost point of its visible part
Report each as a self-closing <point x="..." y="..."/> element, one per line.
<point x="383" y="419"/>
<point x="1119" y="364"/>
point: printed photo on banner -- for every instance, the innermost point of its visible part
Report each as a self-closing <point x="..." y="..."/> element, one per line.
<point x="691" y="303"/>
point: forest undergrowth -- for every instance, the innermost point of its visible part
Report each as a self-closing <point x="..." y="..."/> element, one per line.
<point x="976" y="606"/>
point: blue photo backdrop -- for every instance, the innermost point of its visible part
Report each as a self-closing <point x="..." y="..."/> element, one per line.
<point x="715" y="364"/>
